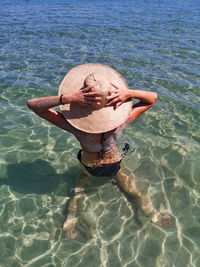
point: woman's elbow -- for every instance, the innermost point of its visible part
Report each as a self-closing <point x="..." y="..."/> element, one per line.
<point x="154" y="98"/>
<point x="30" y="104"/>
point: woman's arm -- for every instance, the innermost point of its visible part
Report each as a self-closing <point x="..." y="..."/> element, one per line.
<point x="147" y="100"/>
<point x="43" y="107"/>
<point x="82" y="97"/>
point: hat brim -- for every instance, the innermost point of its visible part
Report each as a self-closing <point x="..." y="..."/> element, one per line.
<point x="86" y="118"/>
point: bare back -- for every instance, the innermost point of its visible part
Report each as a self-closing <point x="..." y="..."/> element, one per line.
<point x="94" y="143"/>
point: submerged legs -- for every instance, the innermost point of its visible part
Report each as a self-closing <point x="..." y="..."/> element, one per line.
<point x="128" y="186"/>
<point x="71" y="220"/>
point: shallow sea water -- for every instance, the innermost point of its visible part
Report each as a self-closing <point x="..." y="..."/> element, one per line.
<point x="155" y="45"/>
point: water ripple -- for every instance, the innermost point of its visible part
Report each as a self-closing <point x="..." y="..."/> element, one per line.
<point x="155" y="45"/>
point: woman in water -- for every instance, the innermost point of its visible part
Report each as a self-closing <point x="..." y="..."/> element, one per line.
<point x="96" y="105"/>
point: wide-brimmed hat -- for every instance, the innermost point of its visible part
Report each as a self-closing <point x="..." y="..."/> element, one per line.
<point x="94" y="119"/>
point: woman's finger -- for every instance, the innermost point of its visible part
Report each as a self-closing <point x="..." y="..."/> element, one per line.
<point x="114" y="85"/>
<point x="92" y="94"/>
<point x="110" y="103"/>
<point x="112" y="96"/>
<point x="86" y="89"/>
<point x="118" y="104"/>
<point x="93" y="98"/>
<point x="114" y="91"/>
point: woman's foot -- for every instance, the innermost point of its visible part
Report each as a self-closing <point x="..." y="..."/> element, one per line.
<point x="69" y="228"/>
<point x="148" y="209"/>
<point x="161" y="220"/>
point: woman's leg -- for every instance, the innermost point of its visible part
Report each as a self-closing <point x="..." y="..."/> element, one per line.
<point x="71" y="220"/>
<point x="127" y="185"/>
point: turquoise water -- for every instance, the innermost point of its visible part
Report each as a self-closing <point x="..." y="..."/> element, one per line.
<point x="155" y="45"/>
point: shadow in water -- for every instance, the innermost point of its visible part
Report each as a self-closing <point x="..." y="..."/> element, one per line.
<point x="38" y="177"/>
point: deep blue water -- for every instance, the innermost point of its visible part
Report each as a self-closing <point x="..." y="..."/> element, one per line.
<point x="155" y="45"/>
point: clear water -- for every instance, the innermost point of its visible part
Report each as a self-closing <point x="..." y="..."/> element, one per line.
<point x="156" y="46"/>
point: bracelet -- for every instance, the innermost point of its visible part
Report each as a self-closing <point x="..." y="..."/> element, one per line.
<point x="60" y="100"/>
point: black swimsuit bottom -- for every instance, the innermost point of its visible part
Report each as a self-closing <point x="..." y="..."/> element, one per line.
<point x="103" y="170"/>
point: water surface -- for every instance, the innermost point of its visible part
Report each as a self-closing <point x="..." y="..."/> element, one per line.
<point x="155" y="45"/>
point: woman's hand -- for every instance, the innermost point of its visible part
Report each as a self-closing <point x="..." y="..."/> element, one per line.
<point x="120" y="96"/>
<point x="83" y="97"/>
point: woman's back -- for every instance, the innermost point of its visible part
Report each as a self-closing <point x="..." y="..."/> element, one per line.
<point x="95" y="143"/>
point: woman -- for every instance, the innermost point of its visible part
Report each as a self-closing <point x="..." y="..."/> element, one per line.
<point x="96" y="106"/>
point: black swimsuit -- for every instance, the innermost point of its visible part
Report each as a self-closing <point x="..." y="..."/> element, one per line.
<point x="103" y="170"/>
<point x="110" y="169"/>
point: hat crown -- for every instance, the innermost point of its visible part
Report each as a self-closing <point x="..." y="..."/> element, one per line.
<point x="101" y="86"/>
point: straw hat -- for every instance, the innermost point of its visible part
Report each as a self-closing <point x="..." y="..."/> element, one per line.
<point x="95" y="119"/>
